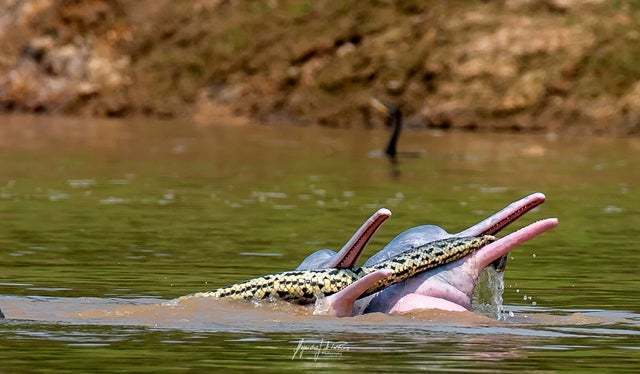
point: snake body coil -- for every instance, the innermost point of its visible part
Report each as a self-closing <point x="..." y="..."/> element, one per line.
<point x="304" y="286"/>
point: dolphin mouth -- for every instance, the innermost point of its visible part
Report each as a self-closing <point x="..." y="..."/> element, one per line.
<point x="503" y="218"/>
<point x="502" y="246"/>
<point x="351" y="251"/>
<point x="498" y="221"/>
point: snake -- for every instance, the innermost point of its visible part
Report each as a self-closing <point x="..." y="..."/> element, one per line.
<point x="305" y="286"/>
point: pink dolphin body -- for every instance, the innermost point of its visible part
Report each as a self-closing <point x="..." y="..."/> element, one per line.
<point x="449" y="287"/>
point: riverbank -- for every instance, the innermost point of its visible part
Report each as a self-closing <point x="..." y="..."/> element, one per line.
<point x="522" y="66"/>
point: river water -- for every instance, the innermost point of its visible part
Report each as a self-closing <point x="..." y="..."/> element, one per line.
<point x="103" y="220"/>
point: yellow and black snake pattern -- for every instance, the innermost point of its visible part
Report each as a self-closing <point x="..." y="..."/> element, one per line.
<point x="304" y="286"/>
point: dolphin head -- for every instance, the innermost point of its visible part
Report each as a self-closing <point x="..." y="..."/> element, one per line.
<point x="493" y="224"/>
<point x="350" y="252"/>
<point x="446" y="287"/>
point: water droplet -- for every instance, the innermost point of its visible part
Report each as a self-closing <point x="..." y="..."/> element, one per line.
<point x="119" y="182"/>
<point x="263" y="196"/>
<point x="319" y="192"/>
<point x="497" y="189"/>
<point x="611" y="209"/>
<point x="112" y="200"/>
<point x="179" y="148"/>
<point x="80" y="183"/>
<point x="57" y="196"/>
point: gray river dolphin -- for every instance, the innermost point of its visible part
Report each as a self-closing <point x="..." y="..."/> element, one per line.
<point x="449" y="287"/>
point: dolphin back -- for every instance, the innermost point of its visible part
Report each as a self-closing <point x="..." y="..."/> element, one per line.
<point x="408" y="240"/>
<point x="317" y="260"/>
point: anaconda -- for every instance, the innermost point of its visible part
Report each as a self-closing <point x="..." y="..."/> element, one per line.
<point x="304" y="286"/>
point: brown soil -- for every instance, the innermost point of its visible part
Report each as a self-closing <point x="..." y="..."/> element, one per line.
<point x="517" y="65"/>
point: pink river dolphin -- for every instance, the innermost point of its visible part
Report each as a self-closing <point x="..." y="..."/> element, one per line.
<point x="449" y="287"/>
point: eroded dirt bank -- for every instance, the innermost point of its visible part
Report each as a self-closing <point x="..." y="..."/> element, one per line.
<point x="517" y="65"/>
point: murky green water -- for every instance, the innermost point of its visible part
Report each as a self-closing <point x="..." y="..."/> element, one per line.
<point x="157" y="210"/>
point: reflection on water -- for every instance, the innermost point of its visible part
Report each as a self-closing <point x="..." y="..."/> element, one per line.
<point x="101" y="219"/>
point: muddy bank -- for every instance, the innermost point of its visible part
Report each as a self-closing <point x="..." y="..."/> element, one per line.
<point x="518" y="65"/>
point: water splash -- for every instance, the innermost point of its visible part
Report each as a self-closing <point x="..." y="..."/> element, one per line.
<point x="487" y="296"/>
<point x="321" y="307"/>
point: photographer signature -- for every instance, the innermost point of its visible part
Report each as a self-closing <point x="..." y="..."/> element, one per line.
<point x="322" y="348"/>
